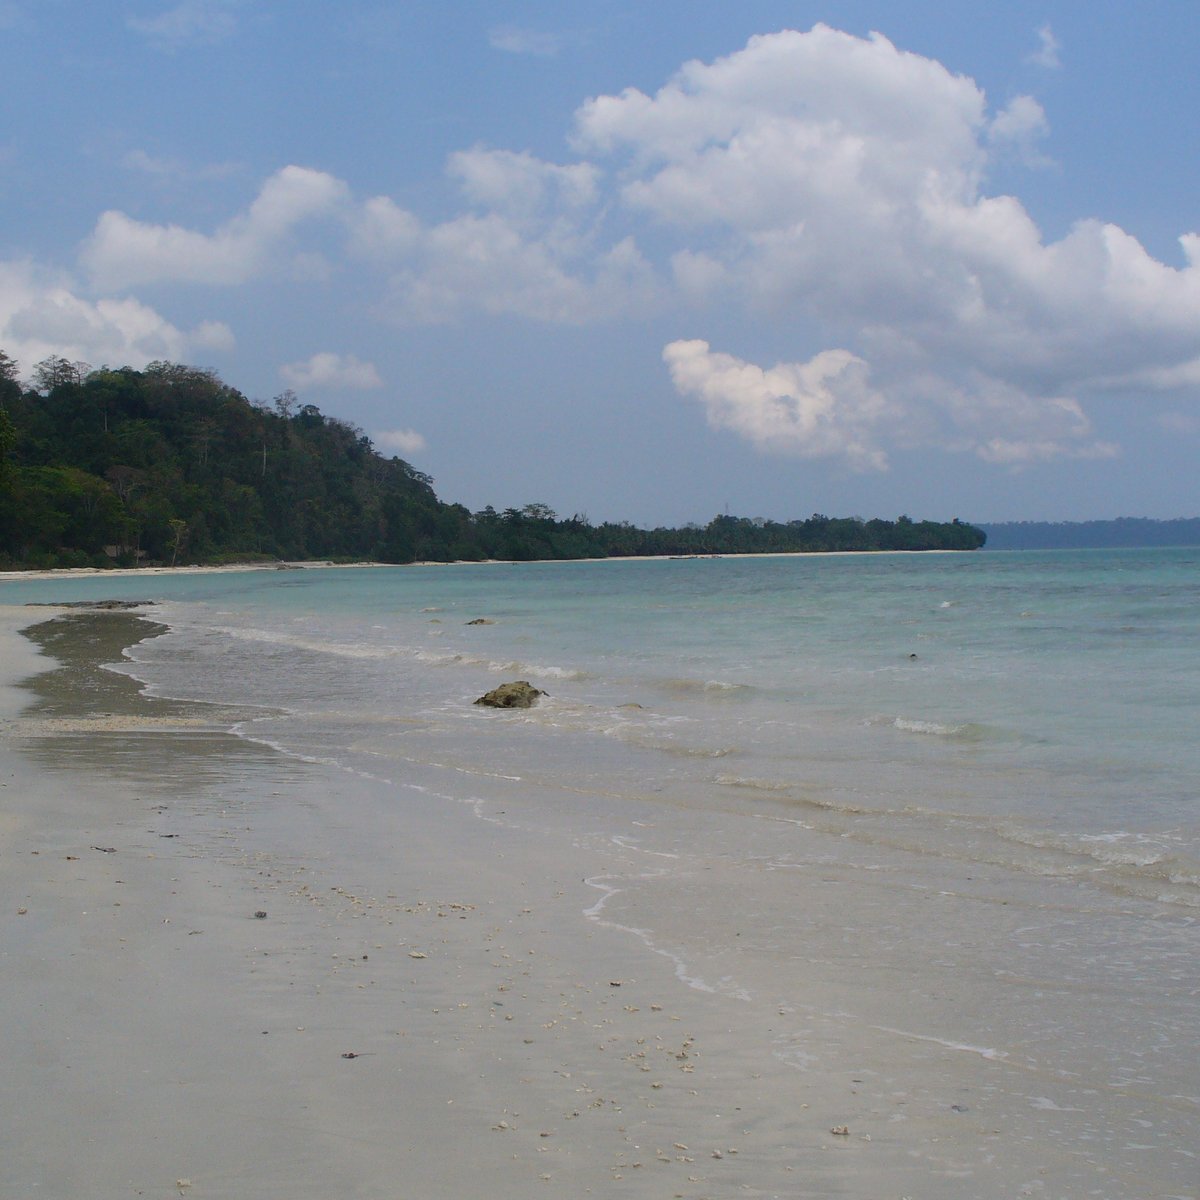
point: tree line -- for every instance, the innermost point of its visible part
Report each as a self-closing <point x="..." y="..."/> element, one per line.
<point x="170" y="465"/>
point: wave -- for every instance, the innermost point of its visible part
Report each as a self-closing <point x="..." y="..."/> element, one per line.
<point x="967" y="731"/>
<point x="637" y="736"/>
<point x="755" y="785"/>
<point x="375" y="651"/>
<point x="1128" y="864"/>
<point x="537" y="669"/>
<point x="713" y="688"/>
<point x="274" y="637"/>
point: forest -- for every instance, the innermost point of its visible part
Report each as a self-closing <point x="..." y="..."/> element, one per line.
<point x="169" y="465"/>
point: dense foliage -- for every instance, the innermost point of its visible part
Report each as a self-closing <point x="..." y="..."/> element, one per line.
<point x="171" y="465"/>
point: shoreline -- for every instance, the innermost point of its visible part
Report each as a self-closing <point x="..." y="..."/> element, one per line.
<point x="170" y="1040"/>
<point x="40" y="575"/>
<point x="475" y="985"/>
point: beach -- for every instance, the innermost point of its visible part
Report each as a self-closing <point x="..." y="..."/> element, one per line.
<point x="234" y="969"/>
<point x="417" y="1018"/>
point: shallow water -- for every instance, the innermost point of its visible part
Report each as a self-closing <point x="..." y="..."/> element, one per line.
<point x="948" y="801"/>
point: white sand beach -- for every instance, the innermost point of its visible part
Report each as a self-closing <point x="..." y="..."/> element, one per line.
<point x="421" y="1011"/>
<point x="225" y="972"/>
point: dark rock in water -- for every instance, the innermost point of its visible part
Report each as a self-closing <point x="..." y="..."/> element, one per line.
<point x="105" y="605"/>
<point x="520" y="694"/>
<point x="482" y="621"/>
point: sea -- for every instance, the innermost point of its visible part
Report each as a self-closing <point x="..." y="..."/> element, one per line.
<point x="950" y="801"/>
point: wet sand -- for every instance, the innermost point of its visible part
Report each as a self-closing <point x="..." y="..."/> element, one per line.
<point x="435" y="1001"/>
<point x="421" y="1011"/>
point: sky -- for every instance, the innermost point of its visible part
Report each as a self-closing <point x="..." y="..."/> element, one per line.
<point x="645" y="262"/>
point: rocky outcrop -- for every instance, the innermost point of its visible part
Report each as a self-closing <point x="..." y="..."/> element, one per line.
<point x="102" y="605"/>
<point x="520" y="694"/>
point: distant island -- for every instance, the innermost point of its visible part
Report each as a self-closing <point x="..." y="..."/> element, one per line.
<point x="1092" y="535"/>
<point x="169" y="465"/>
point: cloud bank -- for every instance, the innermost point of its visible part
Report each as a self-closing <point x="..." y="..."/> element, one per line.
<point x="326" y="370"/>
<point x="831" y="187"/>
<point x="43" y="313"/>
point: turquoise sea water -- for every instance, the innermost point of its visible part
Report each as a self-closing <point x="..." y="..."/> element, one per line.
<point x="1009" y="738"/>
<point x="1039" y="708"/>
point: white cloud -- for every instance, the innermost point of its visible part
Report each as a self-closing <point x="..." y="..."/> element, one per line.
<point x="1046" y="54"/>
<point x="1022" y="124"/>
<point x="123" y="252"/>
<point x="191" y="23"/>
<point x="406" y="441"/>
<point x="521" y="184"/>
<point x="381" y="229"/>
<point x="832" y="187"/>
<point x="41" y="313"/>
<point x="158" y="167"/>
<point x="1009" y="453"/>
<point x="524" y="41"/>
<point x="1007" y="425"/>
<point x="325" y="370"/>
<point x="836" y="185"/>
<point x="491" y="264"/>
<point x="483" y="262"/>
<point x="822" y="408"/>
<point x="530" y="248"/>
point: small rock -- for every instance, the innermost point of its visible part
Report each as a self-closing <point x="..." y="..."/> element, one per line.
<point x="520" y="694"/>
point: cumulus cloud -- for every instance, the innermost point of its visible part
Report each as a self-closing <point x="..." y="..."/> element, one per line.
<point x="520" y="183"/>
<point x="835" y="188"/>
<point x="406" y="441"/>
<point x="492" y="263"/>
<point x="191" y="23"/>
<point x="822" y="408"/>
<point x="325" y="370"/>
<point x="123" y="252"/>
<point x="1022" y="124"/>
<point x="42" y="313"/>
<point x="838" y="185"/>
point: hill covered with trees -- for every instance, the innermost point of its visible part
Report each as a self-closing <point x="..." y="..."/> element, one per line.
<point x="171" y="465"/>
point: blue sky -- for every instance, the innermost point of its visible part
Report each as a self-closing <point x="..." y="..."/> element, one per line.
<point x="644" y="262"/>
